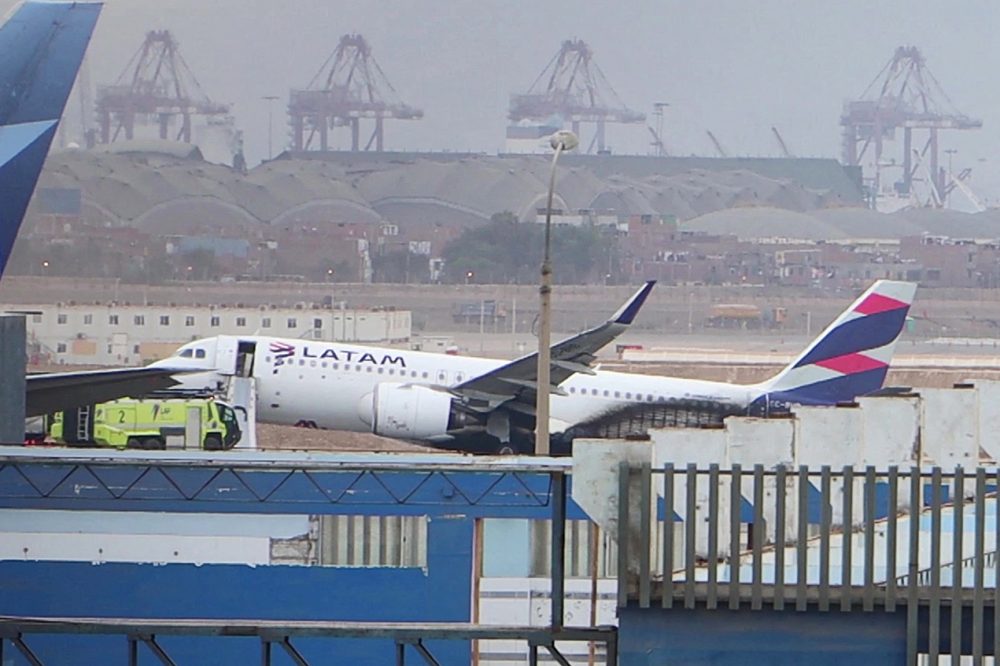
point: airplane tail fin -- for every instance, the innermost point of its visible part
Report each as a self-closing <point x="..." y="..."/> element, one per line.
<point x="41" y="48"/>
<point x="851" y="357"/>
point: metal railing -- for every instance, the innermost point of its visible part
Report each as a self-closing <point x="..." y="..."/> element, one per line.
<point x="800" y="538"/>
<point x="343" y="490"/>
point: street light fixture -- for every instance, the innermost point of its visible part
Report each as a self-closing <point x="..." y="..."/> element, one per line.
<point x="560" y="141"/>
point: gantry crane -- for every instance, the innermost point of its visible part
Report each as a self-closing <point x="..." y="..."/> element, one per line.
<point x="155" y="87"/>
<point x="349" y="87"/>
<point x="573" y="88"/>
<point x="904" y="95"/>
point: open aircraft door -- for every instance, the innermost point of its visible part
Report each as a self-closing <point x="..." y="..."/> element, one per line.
<point x="225" y="354"/>
<point x="234" y="356"/>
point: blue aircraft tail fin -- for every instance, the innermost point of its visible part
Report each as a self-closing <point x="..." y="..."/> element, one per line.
<point x="851" y="357"/>
<point x="41" y="48"/>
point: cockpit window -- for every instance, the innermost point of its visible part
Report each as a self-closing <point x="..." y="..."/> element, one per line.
<point x="199" y="353"/>
<point x="186" y="353"/>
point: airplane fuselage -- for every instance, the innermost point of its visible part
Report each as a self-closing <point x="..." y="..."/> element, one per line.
<point x="328" y="390"/>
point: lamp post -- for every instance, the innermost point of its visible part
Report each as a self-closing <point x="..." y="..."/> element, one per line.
<point x="561" y="140"/>
<point x="270" y="123"/>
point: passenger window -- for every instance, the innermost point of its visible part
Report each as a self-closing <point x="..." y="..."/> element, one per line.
<point x="618" y="394"/>
<point x="628" y="396"/>
<point x="425" y="375"/>
<point x="607" y="393"/>
<point x="381" y="370"/>
<point x="369" y="368"/>
<point x="593" y="391"/>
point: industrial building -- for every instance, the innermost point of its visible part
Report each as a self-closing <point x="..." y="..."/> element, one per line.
<point x="125" y="334"/>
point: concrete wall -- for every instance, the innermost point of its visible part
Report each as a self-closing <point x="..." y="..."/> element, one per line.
<point x="937" y="427"/>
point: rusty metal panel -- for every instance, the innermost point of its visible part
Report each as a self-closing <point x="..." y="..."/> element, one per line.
<point x="668" y="535"/>
<point x="735" y="500"/>
<point x="713" y="537"/>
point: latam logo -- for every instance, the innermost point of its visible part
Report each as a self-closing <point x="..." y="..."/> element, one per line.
<point x="284" y="350"/>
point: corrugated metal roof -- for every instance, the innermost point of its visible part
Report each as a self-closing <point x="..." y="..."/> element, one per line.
<point x="158" y="184"/>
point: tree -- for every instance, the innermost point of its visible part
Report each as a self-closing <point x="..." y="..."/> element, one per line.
<point x="506" y="250"/>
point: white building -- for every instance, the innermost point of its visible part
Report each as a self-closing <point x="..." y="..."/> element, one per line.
<point x="114" y="334"/>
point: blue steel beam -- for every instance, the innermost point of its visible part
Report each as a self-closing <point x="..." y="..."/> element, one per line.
<point x="262" y="483"/>
<point x="452" y="490"/>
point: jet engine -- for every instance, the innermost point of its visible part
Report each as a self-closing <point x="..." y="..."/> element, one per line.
<point x="407" y="411"/>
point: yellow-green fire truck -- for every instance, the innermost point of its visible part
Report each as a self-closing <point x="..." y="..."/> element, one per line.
<point x="148" y="423"/>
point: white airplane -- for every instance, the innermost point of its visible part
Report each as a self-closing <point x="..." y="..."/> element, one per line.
<point x="487" y="406"/>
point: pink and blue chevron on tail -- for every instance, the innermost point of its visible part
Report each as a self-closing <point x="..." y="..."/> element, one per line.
<point x="850" y="358"/>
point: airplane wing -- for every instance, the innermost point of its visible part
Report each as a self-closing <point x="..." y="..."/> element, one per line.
<point x="51" y="392"/>
<point x="515" y="384"/>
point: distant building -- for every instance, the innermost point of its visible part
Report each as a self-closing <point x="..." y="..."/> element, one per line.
<point x="529" y="138"/>
<point x="136" y="334"/>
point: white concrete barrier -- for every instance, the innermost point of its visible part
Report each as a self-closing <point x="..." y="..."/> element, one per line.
<point x="988" y="406"/>
<point x="828" y="436"/>
<point x="891" y="431"/>
<point x="948" y="427"/>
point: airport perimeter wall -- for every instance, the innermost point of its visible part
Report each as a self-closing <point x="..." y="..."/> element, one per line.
<point x="218" y="540"/>
<point x="441" y="592"/>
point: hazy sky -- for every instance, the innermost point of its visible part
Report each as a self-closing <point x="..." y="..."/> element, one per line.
<point x="732" y="66"/>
